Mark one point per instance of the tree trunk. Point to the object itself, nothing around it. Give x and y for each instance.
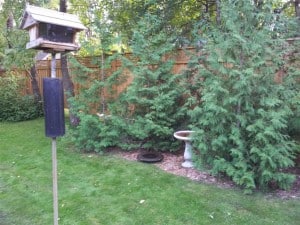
(68, 87)
(67, 81)
(63, 5)
(297, 8)
(34, 84)
(218, 6)
(9, 26)
(103, 102)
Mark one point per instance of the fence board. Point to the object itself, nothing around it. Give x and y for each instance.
(43, 69)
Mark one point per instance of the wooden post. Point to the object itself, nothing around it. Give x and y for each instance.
(54, 157)
(54, 176)
(53, 65)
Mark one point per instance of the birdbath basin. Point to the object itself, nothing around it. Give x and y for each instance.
(185, 135)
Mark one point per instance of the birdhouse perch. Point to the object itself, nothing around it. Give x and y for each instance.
(50, 30)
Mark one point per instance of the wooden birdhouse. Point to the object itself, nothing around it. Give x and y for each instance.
(50, 30)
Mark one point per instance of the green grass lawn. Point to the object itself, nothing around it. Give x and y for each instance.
(108, 190)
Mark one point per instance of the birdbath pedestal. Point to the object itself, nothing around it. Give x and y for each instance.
(185, 135)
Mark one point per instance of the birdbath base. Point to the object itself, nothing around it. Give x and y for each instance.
(187, 164)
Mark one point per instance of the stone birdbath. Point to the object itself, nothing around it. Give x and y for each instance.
(185, 135)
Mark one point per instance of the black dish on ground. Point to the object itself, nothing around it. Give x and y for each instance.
(150, 157)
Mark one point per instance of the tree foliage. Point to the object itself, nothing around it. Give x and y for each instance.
(147, 113)
(240, 90)
(122, 15)
(13, 105)
(242, 116)
(154, 94)
(13, 40)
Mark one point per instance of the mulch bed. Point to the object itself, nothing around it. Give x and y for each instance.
(171, 163)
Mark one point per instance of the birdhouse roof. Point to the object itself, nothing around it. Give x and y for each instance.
(34, 15)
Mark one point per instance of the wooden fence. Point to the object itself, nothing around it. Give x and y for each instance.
(43, 68)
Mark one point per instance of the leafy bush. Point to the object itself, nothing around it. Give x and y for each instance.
(241, 120)
(94, 134)
(14, 106)
(147, 113)
(154, 94)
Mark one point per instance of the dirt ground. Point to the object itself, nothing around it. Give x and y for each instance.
(171, 163)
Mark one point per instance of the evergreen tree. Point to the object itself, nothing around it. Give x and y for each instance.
(241, 112)
(154, 95)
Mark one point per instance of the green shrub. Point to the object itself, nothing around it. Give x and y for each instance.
(95, 134)
(241, 120)
(14, 106)
(154, 94)
(147, 113)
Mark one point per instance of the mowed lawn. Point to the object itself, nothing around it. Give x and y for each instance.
(95, 189)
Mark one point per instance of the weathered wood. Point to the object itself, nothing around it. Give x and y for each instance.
(43, 70)
(46, 45)
(34, 15)
(181, 59)
(50, 29)
(33, 33)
